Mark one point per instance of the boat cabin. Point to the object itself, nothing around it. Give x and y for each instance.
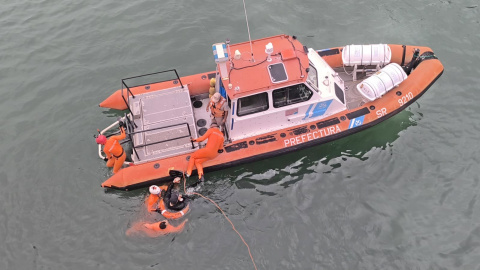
(280, 84)
(269, 84)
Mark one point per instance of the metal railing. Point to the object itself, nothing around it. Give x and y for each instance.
(129, 91)
(126, 99)
(153, 143)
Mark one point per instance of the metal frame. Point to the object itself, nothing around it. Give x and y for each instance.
(129, 92)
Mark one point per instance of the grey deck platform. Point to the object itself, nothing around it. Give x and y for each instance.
(165, 122)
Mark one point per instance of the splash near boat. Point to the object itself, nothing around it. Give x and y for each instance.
(280, 95)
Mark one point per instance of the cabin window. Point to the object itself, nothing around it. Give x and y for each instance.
(252, 104)
(291, 95)
(312, 75)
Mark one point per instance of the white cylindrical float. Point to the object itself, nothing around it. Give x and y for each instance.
(382, 81)
(373, 54)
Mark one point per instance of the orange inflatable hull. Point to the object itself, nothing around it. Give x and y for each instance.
(292, 138)
(197, 84)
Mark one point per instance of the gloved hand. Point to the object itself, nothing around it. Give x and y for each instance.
(121, 123)
(106, 159)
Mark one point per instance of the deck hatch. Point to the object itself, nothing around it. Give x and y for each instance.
(237, 146)
(327, 123)
(277, 73)
(328, 52)
(358, 113)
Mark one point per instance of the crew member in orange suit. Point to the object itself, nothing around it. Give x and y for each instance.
(210, 151)
(113, 150)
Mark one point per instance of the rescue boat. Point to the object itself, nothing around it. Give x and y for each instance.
(282, 97)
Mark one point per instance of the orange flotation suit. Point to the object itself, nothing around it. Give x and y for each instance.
(153, 229)
(114, 151)
(172, 215)
(152, 201)
(210, 151)
(216, 109)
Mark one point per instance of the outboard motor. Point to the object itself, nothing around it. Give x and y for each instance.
(408, 68)
(416, 60)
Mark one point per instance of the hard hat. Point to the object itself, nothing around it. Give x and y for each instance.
(155, 190)
(101, 139)
(216, 97)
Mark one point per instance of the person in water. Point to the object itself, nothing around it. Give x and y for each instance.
(210, 151)
(172, 198)
(155, 229)
(113, 150)
(219, 109)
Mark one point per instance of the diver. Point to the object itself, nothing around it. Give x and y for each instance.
(115, 155)
(210, 151)
(172, 198)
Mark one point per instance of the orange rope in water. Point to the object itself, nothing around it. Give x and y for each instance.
(233, 226)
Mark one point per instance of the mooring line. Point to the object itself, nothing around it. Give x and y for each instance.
(231, 223)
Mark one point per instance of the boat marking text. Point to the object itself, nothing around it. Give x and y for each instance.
(381, 112)
(312, 135)
(403, 100)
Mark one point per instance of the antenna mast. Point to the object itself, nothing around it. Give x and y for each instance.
(248, 28)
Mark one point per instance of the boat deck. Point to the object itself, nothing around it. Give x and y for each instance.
(164, 123)
(353, 98)
(165, 120)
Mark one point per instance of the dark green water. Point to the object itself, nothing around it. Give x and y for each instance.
(401, 195)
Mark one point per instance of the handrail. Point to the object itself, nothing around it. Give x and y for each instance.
(129, 92)
(175, 138)
(126, 99)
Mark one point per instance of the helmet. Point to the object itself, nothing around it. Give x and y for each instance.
(101, 139)
(155, 190)
(216, 97)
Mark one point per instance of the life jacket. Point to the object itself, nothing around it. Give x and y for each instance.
(172, 215)
(216, 109)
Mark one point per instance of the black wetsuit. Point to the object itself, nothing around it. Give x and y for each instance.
(166, 199)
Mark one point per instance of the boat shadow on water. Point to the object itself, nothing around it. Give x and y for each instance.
(289, 168)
